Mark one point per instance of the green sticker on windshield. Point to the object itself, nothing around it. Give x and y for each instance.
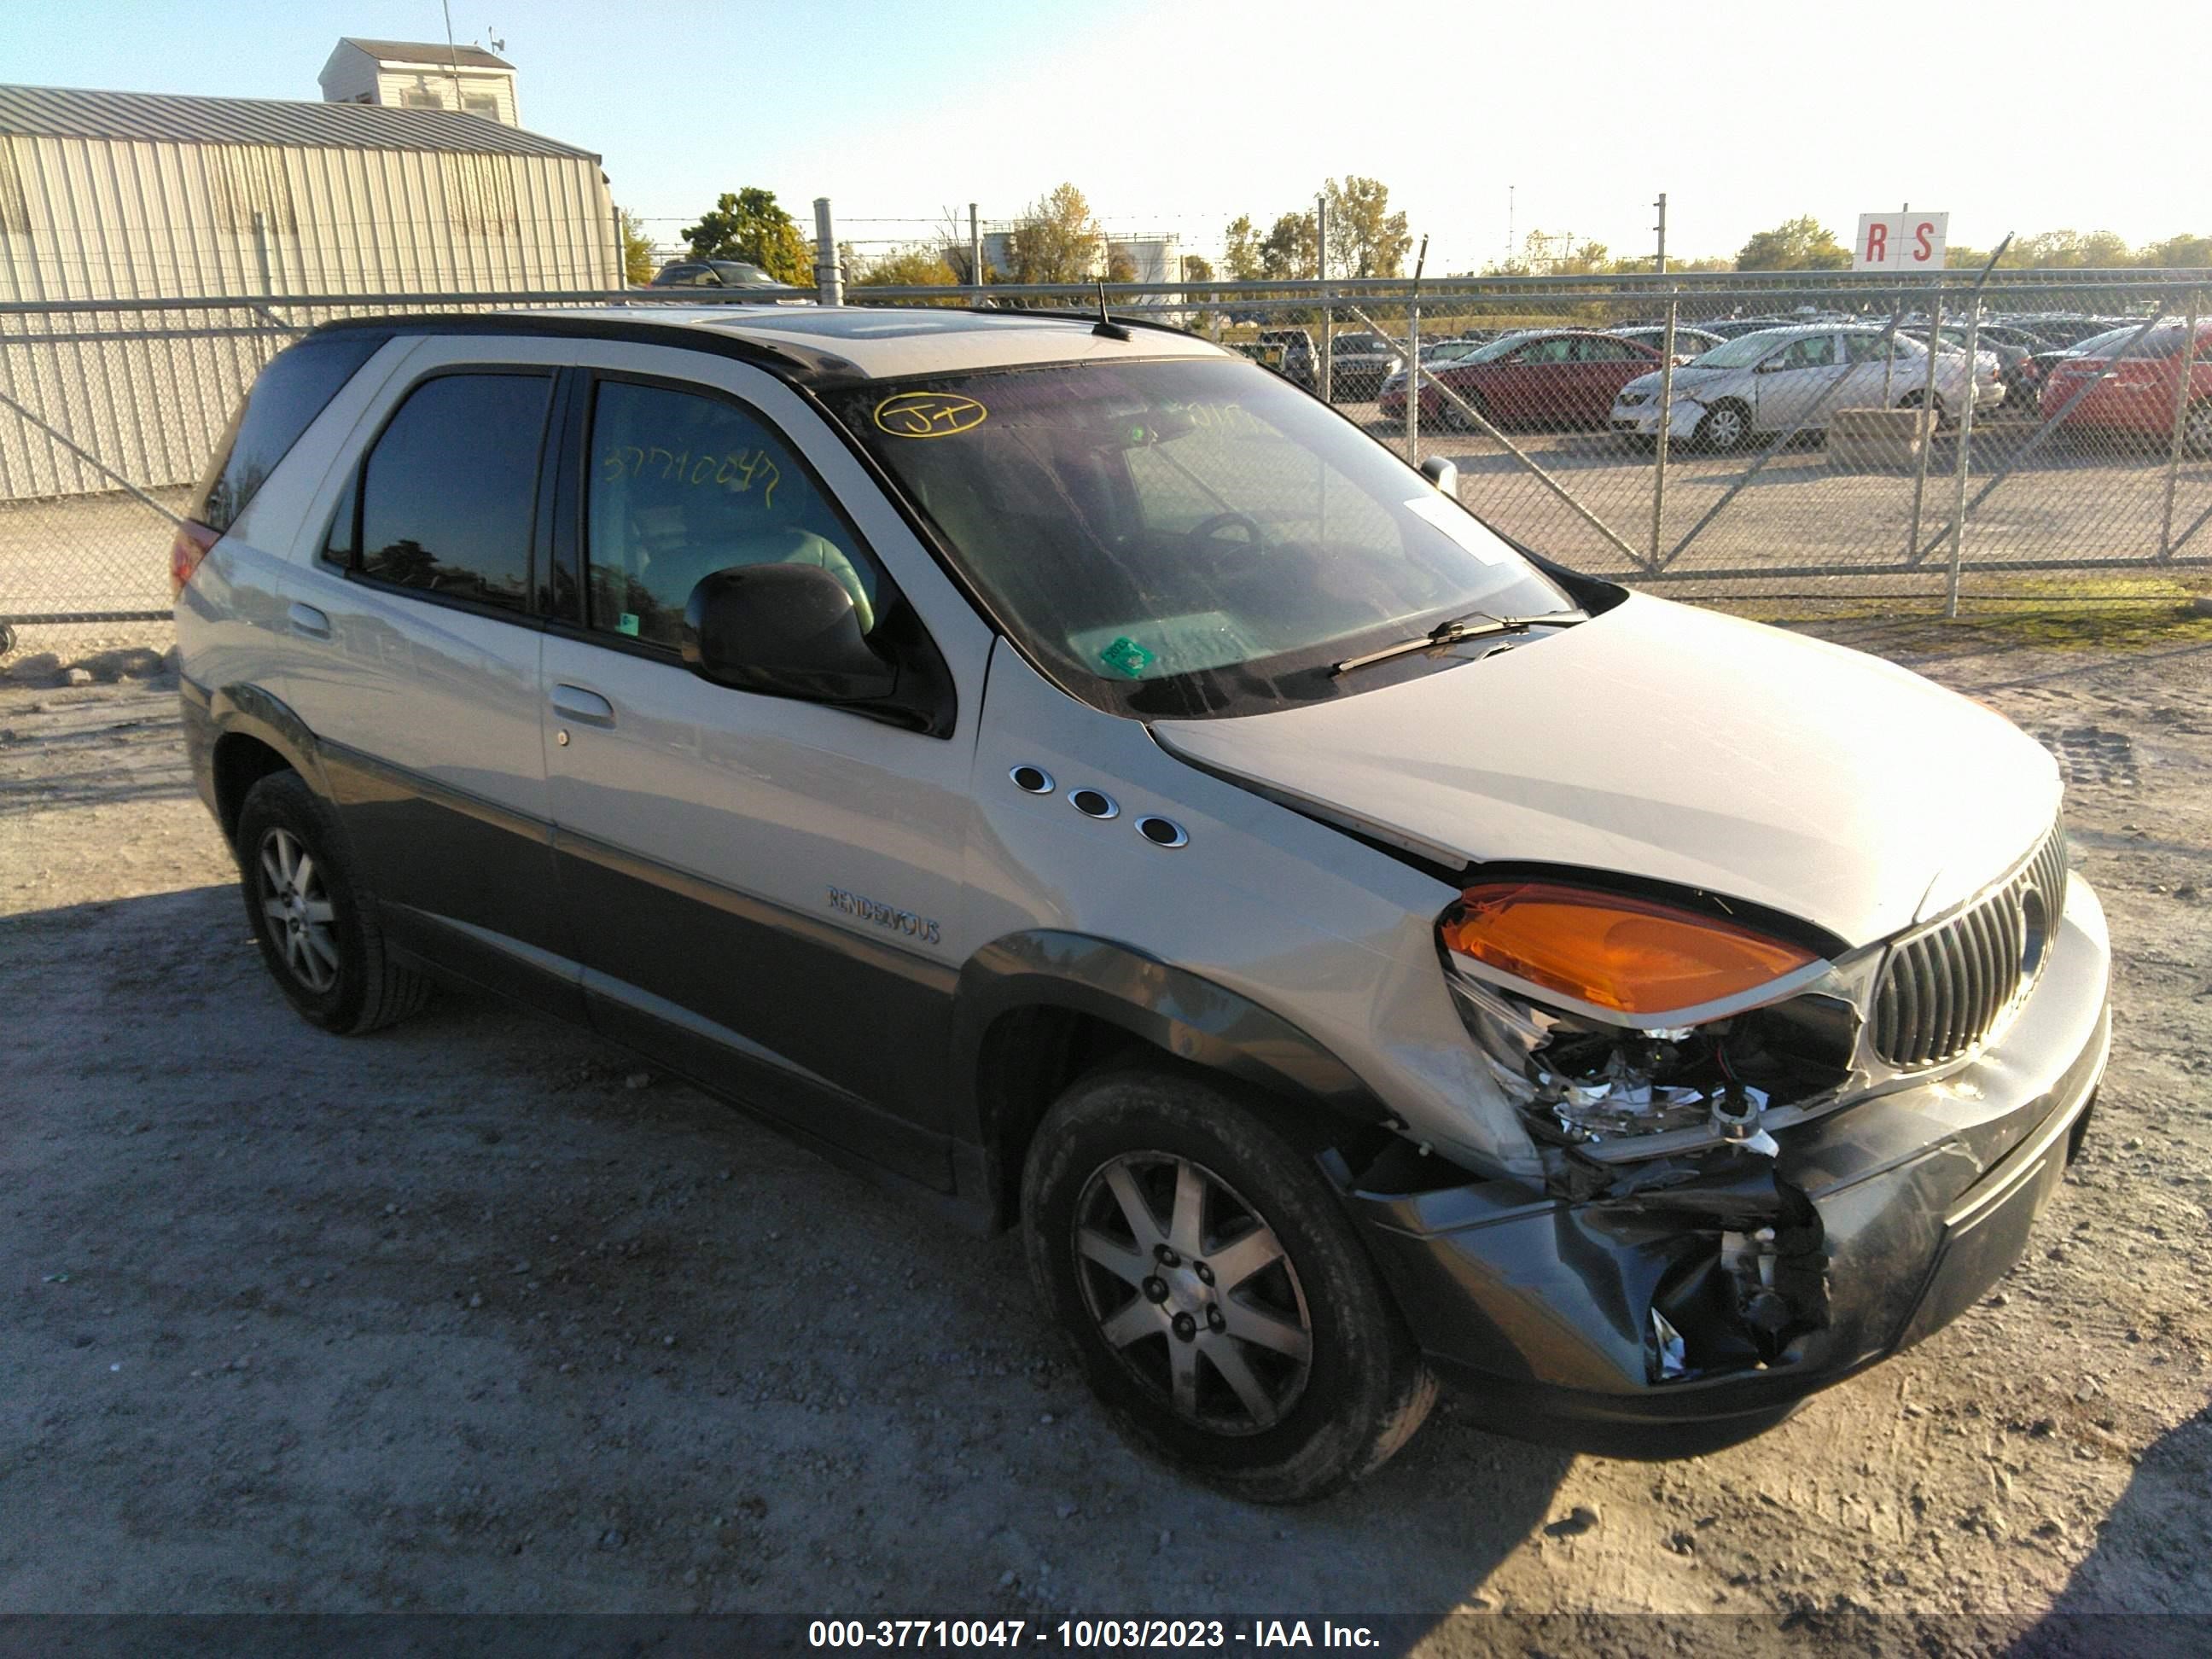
(1127, 658)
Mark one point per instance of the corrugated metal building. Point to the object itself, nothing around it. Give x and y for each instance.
(137, 195)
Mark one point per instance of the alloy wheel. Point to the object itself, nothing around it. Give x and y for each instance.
(1193, 1291)
(1724, 428)
(298, 910)
(2196, 429)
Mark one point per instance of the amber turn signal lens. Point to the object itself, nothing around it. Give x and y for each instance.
(1631, 955)
(186, 549)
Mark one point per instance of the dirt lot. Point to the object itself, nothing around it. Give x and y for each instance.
(474, 1316)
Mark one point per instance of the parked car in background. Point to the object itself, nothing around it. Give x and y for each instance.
(2063, 329)
(1690, 344)
(1560, 378)
(712, 273)
(1996, 351)
(1434, 355)
(1779, 377)
(1729, 327)
(2135, 391)
(1288, 351)
(1358, 364)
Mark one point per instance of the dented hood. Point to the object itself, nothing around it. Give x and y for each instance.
(1677, 745)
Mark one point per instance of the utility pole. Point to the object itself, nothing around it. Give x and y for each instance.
(1324, 377)
(974, 247)
(1661, 228)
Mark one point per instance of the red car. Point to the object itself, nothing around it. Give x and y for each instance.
(1559, 377)
(2135, 392)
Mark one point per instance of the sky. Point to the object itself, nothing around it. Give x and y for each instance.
(1177, 117)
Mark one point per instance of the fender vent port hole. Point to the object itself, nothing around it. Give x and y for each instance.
(1092, 803)
(1034, 779)
(1162, 832)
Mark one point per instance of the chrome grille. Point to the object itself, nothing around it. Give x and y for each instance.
(1944, 991)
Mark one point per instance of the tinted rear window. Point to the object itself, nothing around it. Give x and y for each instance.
(296, 386)
(446, 497)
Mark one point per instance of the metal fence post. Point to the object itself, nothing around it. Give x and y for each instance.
(1927, 428)
(829, 280)
(975, 248)
(1666, 420)
(1966, 449)
(1413, 382)
(2181, 389)
(1324, 375)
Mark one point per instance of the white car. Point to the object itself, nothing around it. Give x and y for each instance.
(1064, 767)
(1774, 380)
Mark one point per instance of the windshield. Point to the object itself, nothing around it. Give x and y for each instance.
(1741, 352)
(1187, 538)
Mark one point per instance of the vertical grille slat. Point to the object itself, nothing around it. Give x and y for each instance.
(1943, 992)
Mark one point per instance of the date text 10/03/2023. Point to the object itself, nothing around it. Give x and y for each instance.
(1078, 1635)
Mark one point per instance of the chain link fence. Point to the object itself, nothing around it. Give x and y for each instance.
(1785, 442)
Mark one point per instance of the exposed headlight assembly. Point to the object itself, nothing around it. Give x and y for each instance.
(1631, 1027)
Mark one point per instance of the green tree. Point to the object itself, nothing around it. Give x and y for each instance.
(1801, 244)
(1196, 268)
(1289, 254)
(1057, 241)
(2177, 253)
(1365, 239)
(1119, 267)
(1241, 250)
(750, 226)
(636, 248)
(917, 265)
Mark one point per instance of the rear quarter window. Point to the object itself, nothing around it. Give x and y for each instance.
(296, 386)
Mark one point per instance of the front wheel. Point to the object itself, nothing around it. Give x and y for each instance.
(1220, 1305)
(1725, 428)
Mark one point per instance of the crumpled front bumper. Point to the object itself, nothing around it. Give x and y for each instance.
(1643, 419)
(1540, 1307)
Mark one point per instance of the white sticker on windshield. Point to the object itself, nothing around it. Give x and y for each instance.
(1462, 528)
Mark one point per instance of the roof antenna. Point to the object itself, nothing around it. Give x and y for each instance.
(1107, 325)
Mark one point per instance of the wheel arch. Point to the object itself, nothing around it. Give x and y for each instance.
(252, 734)
(1036, 1009)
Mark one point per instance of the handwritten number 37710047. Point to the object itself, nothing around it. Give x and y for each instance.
(738, 470)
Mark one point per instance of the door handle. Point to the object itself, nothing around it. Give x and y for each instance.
(574, 702)
(306, 619)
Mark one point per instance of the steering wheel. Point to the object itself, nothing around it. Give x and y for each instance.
(1209, 529)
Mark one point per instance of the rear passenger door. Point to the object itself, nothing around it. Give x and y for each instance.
(417, 629)
(767, 891)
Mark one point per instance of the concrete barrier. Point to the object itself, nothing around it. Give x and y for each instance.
(1872, 439)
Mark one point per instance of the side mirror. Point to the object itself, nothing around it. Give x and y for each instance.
(1770, 365)
(788, 630)
(1443, 474)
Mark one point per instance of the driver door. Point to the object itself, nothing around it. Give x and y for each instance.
(765, 890)
(1794, 381)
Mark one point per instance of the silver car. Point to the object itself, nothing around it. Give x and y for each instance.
(1065, 768)
(1775, 380)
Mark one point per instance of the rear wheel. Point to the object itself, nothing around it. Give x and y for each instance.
(1217, 1298)
(1725, 428)
(1912, 400)
(315, 923)
(2196, 427)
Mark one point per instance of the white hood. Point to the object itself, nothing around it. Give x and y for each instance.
(1681, 745)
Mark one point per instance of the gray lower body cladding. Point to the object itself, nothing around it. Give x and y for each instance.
(1885, 1220)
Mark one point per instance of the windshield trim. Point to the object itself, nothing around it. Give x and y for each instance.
(1199, 694)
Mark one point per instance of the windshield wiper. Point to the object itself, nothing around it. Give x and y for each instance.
(1474, 625)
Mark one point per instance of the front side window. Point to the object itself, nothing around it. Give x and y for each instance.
(1559, 349)
(1183, 537)
(681, 486)
(447, 495)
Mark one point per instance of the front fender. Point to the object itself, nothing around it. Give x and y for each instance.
(1176, 1012)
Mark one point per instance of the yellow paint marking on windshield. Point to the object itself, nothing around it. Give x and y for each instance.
(928, 415)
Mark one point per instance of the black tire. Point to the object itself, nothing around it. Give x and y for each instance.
(2196, 427)
(1942, 422)
(1328, 1416)
(329, 930)
(1726, 435)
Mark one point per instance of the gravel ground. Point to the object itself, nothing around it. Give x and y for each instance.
(477, 1316)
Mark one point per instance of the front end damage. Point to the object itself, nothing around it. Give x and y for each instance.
(1736, 1209)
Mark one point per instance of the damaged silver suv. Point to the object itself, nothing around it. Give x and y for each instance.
(1068, 768)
